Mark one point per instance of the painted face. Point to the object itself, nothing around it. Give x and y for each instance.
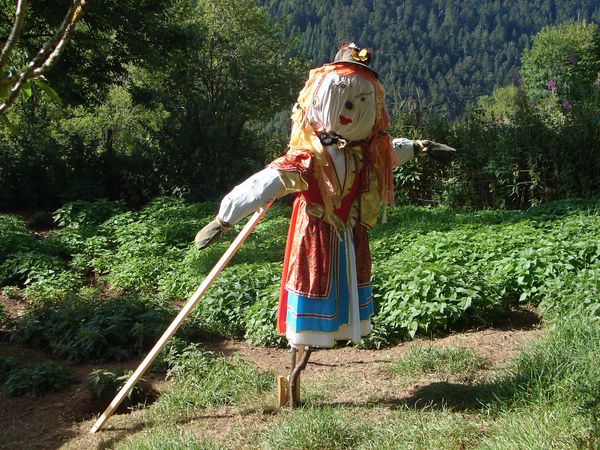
(343, 105)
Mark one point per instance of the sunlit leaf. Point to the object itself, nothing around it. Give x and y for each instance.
(26, 90)
(48, 90)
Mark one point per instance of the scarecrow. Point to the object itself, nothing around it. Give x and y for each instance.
(339, 166)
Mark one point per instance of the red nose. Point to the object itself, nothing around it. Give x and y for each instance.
(345, 120)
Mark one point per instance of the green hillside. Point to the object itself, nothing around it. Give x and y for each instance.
(448, 53)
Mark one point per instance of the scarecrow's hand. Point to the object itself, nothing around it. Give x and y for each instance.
(210, 233)
(437, 151)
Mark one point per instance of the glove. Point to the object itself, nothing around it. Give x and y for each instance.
(439, 152)
(210, 233)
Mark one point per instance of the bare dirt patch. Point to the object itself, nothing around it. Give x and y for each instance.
(340, 376)
(12, 307)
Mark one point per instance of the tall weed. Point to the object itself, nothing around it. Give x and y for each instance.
(203, 380)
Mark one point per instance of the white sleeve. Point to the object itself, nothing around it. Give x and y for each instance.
(404, 149)
(247, 197)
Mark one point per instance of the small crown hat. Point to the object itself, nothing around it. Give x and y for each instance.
(352, 53)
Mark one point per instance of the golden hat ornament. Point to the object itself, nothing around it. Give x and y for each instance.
(352, 53)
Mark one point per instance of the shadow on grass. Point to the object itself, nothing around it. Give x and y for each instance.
(438, 395)
(121, 434)
(453, 396)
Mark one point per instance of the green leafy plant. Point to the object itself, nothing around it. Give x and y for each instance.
(105, 384)
(94, 330)
(575, 295)
(6, 322)
(12, 292)
(7, 365)
(261, 318)
(226, 309)
(37, 380)
(80, 213)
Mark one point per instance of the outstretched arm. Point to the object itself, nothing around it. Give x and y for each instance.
(406, 149)
(261, 188)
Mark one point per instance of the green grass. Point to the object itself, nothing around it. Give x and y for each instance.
(541, 425)
(443, 361)
(203, 380)
(342, 428)
(548, 397)
(168, 438)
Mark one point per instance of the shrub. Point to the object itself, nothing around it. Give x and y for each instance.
(5, 320)
(53, 288)
(24, 268)
(261, 319)
(575, 295)
(105, 384)
(37, 380)
(225, 309)
(94, 330)
(79, 213)
(14, 236)
(431, 281)
(7, 365)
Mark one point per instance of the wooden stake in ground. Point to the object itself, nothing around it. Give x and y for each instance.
(189, 306)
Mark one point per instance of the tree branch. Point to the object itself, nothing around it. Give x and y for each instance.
(14, 33)
(75, 13)
(48, 54)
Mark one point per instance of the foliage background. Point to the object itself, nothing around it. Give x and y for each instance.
(197, 96)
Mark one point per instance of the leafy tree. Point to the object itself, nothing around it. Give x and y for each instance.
(561, 71)
(477, 43)
(231, 67)
(502, 106)
(177, 105)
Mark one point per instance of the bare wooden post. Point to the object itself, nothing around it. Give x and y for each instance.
(282, 390)
(185, 311)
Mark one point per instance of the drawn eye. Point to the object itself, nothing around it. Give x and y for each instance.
(363, 99)
(342, 85)
(349, 105)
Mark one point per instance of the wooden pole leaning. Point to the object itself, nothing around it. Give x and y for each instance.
(185, 311)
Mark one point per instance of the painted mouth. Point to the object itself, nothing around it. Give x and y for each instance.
(345, 120)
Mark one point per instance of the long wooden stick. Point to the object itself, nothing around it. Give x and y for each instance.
(189, 306)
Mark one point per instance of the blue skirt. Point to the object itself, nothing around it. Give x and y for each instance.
(336, 314)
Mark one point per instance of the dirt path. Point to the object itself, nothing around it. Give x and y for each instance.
(62, 420)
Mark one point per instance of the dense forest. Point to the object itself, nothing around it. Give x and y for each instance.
(447, 53)
(187, 98)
